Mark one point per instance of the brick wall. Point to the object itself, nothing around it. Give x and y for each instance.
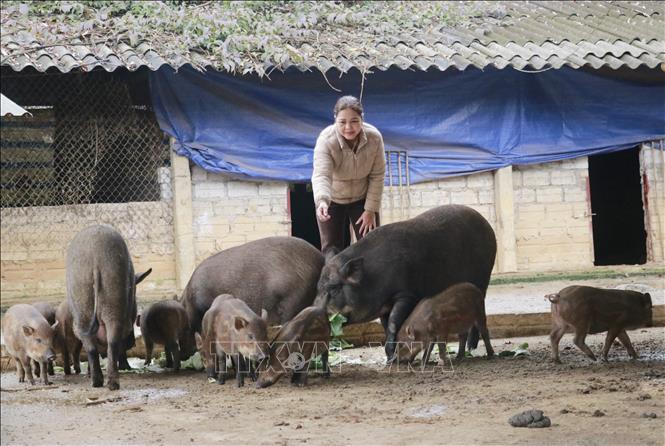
(229, 212)
(35, 240)
(552, 216)
(552, 222)
(476, 191)
(652, 161)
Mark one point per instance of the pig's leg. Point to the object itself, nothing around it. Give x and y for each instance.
(213, 366)
(462, 345)
(252, 370)
(580, 335)
(625, 340)
(148, 351)
(175, 352)
(44, 366)
(20, 371)
(326, 366)
(384, 321)
(555, 337)
(115, 345)
(220, 368)
(51, 371)
(442, 351)
(65, 358)
(123, 363)
(484, 333)
(398, 314)
(25, 362)
(77, 358)
(240, 369)
(300, 377)
(612, 333)
(91, 366)
(426, 354)
(169, 356)
(36, 368)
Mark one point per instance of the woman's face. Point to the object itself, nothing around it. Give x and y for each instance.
(349, 123)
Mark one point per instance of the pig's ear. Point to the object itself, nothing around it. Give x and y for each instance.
(28, 330)
(329, 253)
(55, 325)
(240, 323)
(409, 331)
(199, 341)
(352, 271)
(139, 277)
(647, 300)
(264, 314)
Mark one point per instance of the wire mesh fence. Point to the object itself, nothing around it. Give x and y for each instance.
(91, 146)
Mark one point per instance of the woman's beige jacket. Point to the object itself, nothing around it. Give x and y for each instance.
(342, 176)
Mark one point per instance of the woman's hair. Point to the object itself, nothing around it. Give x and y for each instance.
(348, 102)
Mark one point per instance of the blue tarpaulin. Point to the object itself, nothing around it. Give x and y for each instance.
(450, 123)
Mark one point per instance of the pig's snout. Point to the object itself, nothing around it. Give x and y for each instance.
(263, 383)
(50, 355)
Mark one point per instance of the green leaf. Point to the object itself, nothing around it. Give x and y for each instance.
(336, 322)
(520, 350)
(195, 362)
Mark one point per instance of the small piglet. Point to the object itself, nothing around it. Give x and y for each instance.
(28, 336)
(48, 311)
(66, 341)
(230, 327)
(453, 311)
(303, 337)
(585, 309)
(166, 323)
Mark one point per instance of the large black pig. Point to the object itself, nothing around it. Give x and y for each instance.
(277, 274)
(388, 271)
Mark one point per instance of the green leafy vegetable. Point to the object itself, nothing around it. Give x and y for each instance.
(337, 343)
(520, 350)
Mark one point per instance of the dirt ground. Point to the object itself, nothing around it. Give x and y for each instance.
(365, 403)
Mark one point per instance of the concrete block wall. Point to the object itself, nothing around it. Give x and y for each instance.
(229, 212)
(552, 216)
(552, 222)
(35, 239)
(652, 162)
(476, 191)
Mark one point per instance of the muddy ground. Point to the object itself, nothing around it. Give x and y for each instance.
(364, 403)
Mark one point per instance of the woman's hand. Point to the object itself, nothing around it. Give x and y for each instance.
(367, 222)
(322, 212)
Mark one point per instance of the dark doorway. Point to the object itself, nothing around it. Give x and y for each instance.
(616, 203)
(303, 215)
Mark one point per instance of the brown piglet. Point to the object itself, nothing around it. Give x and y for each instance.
(28, 336)
(66, 341)
(588, 310)
(166, 323)
(453, 311)
(297, 342)
(231, 328)
(48, 311)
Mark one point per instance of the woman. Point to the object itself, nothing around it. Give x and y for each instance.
(349, 171)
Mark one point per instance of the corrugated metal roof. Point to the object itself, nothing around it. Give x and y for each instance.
(529, 35)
